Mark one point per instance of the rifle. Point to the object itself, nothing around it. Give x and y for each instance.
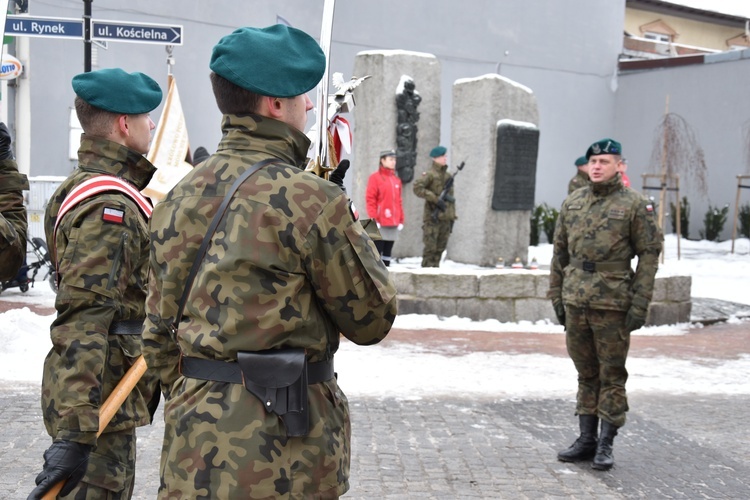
(446, 190)
(108, 409)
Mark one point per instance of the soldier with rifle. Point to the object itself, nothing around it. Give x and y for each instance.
(436, 187)
(97, 232)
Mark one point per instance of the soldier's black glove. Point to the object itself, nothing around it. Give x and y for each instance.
(559, 312)
(635, 318)
(63, 461)
(449, 198)
(5, 152)
(337, 176)
(440, 205)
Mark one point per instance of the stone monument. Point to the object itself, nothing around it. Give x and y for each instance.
(416, 77)
(494, 128)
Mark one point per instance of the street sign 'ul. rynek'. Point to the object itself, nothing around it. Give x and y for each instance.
(115, 31)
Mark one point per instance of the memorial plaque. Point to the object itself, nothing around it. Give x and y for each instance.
(515, 168)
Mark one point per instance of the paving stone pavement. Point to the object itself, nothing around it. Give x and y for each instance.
(444, 448)
(672, 447)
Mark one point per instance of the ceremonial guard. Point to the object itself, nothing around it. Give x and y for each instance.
(258, 267)
(97, 232)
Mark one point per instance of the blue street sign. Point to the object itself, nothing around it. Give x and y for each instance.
(45, 27)
(118, 31)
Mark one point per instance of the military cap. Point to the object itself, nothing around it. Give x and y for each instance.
(581, 160)
(387, 152)
(604, 147)
(116, 91)
(438, 151)
(277, 61)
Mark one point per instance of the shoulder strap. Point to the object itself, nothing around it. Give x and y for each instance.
(209, 234)
(92, 187)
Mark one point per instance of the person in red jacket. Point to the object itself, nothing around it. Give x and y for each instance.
(384, 203)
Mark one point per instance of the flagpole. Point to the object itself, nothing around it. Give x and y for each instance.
(320, 151)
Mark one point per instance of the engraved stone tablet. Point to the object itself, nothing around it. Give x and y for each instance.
(515, 167)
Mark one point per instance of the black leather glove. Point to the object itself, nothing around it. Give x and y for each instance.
(63, 461)
(635, 318)
(440, 205)
(337, 176)
(5, 152)
(559, 312)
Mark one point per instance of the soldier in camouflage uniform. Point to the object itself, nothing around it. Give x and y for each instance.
(581, 178)
(435, 233)
(598, 297)
(288, 268)
(100, 247)
(13, 222)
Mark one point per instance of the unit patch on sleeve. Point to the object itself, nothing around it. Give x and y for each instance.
(114, 215)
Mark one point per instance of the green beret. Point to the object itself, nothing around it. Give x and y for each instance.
(438, 151)
(604, 147)
(114, 90)
(277, 61)
(582, 160)
(387, 152)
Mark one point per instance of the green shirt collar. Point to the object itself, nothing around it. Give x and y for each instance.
(266, 135)
(97, 154)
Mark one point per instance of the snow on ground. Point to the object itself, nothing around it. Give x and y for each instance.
(408, 371)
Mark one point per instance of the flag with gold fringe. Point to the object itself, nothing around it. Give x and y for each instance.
(169, 148)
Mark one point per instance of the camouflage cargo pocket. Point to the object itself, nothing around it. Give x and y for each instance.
(8, 233)
(108, 473)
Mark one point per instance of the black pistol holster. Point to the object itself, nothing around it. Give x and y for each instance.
(278, 378)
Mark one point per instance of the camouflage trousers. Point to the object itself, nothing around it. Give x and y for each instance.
(435, 239)
(598, 344)
(111, 471)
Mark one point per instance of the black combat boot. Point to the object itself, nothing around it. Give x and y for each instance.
(585, 446)
(604, 460)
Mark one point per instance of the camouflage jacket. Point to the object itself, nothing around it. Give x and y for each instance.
(103, 270)
(579, 180)
(13, 221)
(288, 267)
(429, 187)
(605, 222)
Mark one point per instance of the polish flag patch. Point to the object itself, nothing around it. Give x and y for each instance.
(649, 208)
(114, 215)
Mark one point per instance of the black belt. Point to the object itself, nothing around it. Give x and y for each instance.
(591, 267)
(126, 327)
(223, 371)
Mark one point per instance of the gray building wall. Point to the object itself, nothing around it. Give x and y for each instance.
(713, 99)
(552, 47)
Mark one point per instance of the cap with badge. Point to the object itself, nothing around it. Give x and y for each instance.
(581, 161)
(276, 61)
(438, 151)
(117, 91)
(387, 152)
(604, 147)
